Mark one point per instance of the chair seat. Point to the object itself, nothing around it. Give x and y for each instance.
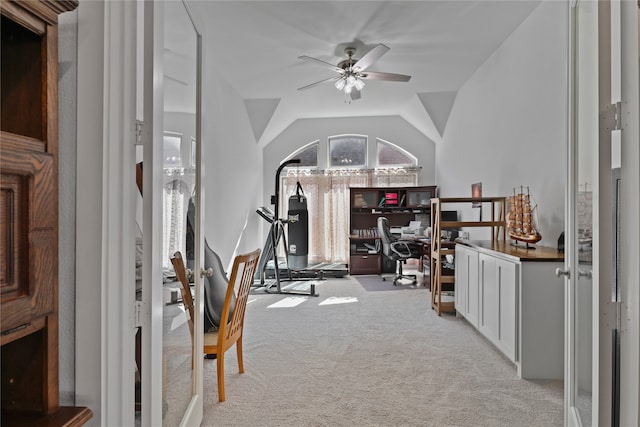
(211, 342)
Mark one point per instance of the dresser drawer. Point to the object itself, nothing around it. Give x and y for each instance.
(364, 264)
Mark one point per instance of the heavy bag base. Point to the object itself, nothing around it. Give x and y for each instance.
(298, 262)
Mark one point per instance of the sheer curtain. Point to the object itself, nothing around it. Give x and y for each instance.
(178, 187)
(327, 195)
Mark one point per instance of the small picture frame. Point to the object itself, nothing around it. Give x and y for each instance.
(476, 193)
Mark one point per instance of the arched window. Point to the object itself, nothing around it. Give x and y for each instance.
(347, 151)
(326, 186)
(390, 154)
(308, 155)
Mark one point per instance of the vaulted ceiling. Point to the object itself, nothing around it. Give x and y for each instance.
(255, 45)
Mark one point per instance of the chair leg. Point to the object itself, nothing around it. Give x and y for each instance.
(239, 351)
(220, 366)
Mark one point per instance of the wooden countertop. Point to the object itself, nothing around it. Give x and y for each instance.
(540, 253)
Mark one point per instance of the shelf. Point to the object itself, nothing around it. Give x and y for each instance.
(14, 141)
(496, 222)
(29, 155)
(66, 416)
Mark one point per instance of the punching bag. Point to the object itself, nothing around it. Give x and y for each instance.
(298, 227)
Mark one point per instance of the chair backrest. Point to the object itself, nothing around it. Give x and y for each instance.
(185, 289)
(385, 236)
(240, 281)
(235, 303)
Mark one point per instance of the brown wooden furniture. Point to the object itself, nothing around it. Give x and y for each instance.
(399, 205)
(440, 248)
(29, 215)
(230, 333)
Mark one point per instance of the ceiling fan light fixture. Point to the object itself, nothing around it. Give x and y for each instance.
(352, 72)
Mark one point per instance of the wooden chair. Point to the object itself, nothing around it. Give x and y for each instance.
(229, 333)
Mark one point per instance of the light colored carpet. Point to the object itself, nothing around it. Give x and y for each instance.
(352, 357)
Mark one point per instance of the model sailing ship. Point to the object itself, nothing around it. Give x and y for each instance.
(522, 221)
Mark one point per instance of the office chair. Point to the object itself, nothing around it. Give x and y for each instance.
(397, 250)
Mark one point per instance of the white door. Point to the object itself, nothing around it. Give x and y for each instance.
(601, 265)
(582, 240)
(625, 88)
(171, 365)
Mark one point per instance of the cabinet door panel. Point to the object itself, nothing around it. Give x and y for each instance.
(29, 246)
(473, 289)
(488, 322)
(508, 296)
(462, 279)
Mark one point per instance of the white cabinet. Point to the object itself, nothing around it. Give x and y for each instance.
(517, 303)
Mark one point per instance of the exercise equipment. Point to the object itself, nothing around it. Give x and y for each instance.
(298, 229)
(277, 236)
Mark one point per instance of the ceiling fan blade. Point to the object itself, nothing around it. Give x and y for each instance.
(374, 75)
(324, 64)
(330, 79)
(370, 57)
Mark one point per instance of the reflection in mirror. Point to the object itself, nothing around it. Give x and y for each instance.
(583, 192)
(180, 62)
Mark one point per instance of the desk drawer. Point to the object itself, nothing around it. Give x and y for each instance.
(364, 264)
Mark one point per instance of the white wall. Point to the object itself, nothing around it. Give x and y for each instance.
(393, 129)
(233, 167)
(508, 125)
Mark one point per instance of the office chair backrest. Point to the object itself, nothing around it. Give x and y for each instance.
(385, 236)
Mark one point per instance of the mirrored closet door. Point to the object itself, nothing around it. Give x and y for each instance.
(171, 213)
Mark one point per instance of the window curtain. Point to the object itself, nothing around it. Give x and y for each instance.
(327, 195)
(178, 184)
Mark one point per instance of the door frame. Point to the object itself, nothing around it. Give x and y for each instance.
(630, 206)
(105, 212)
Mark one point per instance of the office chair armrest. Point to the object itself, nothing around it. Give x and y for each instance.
(402, 248)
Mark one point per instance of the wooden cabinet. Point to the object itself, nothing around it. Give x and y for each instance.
(399, 205)
(29, 215)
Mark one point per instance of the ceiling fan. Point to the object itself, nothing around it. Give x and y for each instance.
(352, 72)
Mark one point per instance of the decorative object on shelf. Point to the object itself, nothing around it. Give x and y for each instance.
(476, 193)
(522, 221)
